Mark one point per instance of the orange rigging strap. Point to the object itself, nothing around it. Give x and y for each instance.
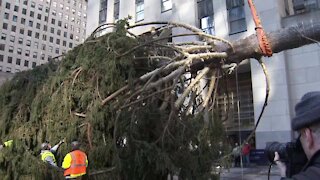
(263, 41)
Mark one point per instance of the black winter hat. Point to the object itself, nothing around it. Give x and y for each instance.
(307, 111)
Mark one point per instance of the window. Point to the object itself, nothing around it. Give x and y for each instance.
(18, 61)
(58, 41)
(60, 15)
(5, 26)
(28, 43)
(39, 16)
(1, 58)
(2, 47)
(9, 60)
(14, 18)
(38, 25)
(40, 7)
(58, 32)
(30, 23)
(36, 45)
(51, 39)
(8, 69)
(35, 55)
(205, 15)
(52, 30)
(116, 9)
(23, 21)
(11, 48)
(64, 43)
(166, 5)
(42, 56)
(26, 63)
(19, 51)
(57, 50)
(65, 34)
(3, 36)
(31, 14)
(70, 45)
(45, 28)
(44, 37)
(6, 15)
(20, 40)
(8, 5)
(13, 28)
(53, 21)
(33, 4)
(236, 16)
(25, 2)
(29, 33)
(50, 48)
(12, 38)
(24, 11)
(37, 35)
(139, 10)
(301, 6)
(43, 47)
(34, 64)
(103, 11)
(16, 8)
(27, 53)
(21, 31)
(59, 23)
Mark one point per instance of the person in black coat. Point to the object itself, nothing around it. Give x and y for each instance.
(307, 124)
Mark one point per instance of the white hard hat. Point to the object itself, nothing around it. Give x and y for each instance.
(45, 145)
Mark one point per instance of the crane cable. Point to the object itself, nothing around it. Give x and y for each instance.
(262, 38)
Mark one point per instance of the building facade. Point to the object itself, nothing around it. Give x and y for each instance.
(35, 31)
(292, 72)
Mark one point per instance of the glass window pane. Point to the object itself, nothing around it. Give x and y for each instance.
(236, 13)
(238, 26)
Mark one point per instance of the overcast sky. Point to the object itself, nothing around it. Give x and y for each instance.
(93, 15)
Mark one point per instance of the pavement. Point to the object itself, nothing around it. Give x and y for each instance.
(250, 173)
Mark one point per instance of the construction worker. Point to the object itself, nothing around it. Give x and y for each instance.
(47, 153)
(6, 144)
(75, 163)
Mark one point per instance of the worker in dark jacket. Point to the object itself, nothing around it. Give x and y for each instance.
(307, 123)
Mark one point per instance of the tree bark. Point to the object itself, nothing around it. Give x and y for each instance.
(280, 40)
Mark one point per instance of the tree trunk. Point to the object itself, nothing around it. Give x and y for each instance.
(280, 40)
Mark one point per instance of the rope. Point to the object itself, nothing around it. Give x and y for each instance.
(263, 40)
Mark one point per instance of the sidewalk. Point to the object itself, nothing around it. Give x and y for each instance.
(250, 173)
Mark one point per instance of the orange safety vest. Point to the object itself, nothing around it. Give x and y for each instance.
(78, 163)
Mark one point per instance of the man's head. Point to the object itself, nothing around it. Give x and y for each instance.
(45, 146)
(75, 145)
(307, 122)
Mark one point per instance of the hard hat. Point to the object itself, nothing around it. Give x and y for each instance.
(75, 144)
(44, 145)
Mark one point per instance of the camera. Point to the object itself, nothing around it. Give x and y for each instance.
(291, 153)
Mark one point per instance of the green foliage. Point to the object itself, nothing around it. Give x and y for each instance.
(141, 142)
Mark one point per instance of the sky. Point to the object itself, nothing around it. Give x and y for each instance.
(93, 15)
